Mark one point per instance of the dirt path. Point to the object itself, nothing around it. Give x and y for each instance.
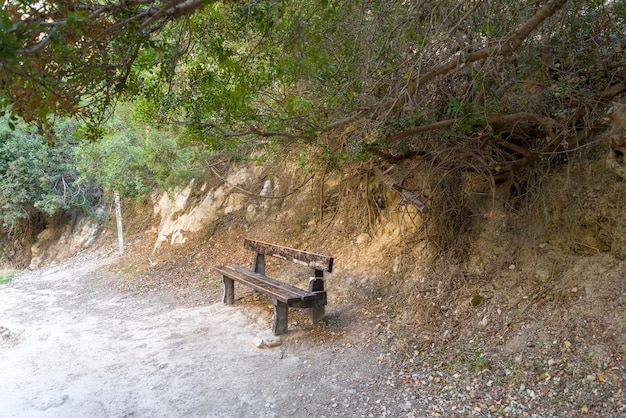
(71, 345)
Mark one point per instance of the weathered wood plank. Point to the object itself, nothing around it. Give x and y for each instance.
(229, 290)
(305, 258)
(275, 289)
(281, 322)
(316, 284)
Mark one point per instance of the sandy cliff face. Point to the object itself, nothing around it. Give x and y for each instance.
(58, 242)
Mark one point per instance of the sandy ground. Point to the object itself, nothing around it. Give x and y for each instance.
(71, 345)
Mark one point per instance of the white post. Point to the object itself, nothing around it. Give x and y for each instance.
(118, 218)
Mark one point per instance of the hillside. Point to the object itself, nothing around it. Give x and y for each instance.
(525, 317)
(522, 314)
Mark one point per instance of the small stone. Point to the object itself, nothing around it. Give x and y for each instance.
(512, 267)
(542, 274)
(591, 377)
(551, 362)
(363, 238)
(567, 346)
(56, 402)
(267, 342)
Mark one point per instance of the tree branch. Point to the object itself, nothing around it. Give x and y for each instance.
(251, 131)
(176, 9)
(500, 120)
(503, 48)
(614, 90)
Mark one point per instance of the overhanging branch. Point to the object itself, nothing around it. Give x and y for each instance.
(252, 131)
(503, 48)
(500, 120)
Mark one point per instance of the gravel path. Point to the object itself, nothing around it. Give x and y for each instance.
(73, 346)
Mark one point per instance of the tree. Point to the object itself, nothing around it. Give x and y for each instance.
(504, 83)
(75, 57)
(490, 87)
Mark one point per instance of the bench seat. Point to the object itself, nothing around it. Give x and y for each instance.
(280, 291)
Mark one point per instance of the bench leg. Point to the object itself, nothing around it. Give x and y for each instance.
(280, 317)
(229, 291)
(316, 284)
(317, 313)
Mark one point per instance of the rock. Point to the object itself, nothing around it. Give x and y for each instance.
(363, 238)
(241, 176)
(250, 212)
(56, 402)
(57, 244)
(566, 347)
(267, 188)
(178, 238)
(267, 342)
(484, 322)
(234, 203)
(266, 191)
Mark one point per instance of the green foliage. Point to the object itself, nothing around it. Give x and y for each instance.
(134, 159)
(476, 300)
(62, 173)
(6, 278)
(331, 80)
(35, 176)
(76, 58)
(468, 115)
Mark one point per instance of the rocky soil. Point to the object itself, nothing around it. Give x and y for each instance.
(530, 322)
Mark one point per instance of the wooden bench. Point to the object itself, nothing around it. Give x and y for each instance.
(283, 295)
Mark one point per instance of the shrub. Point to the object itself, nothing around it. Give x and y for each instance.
(36, 176)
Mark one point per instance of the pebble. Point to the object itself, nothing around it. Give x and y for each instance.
(267, 342)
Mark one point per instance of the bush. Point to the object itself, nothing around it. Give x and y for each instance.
(134, 159)
(36, 176)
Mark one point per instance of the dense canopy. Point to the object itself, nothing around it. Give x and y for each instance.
(484, 86)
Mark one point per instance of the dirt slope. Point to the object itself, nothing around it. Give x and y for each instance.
(530, 321)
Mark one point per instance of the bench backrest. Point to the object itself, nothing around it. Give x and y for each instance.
(317, 261)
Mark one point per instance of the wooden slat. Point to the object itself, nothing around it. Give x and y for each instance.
(273, 288)
(305, 258)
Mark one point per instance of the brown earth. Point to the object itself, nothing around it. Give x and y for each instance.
(530, 321)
